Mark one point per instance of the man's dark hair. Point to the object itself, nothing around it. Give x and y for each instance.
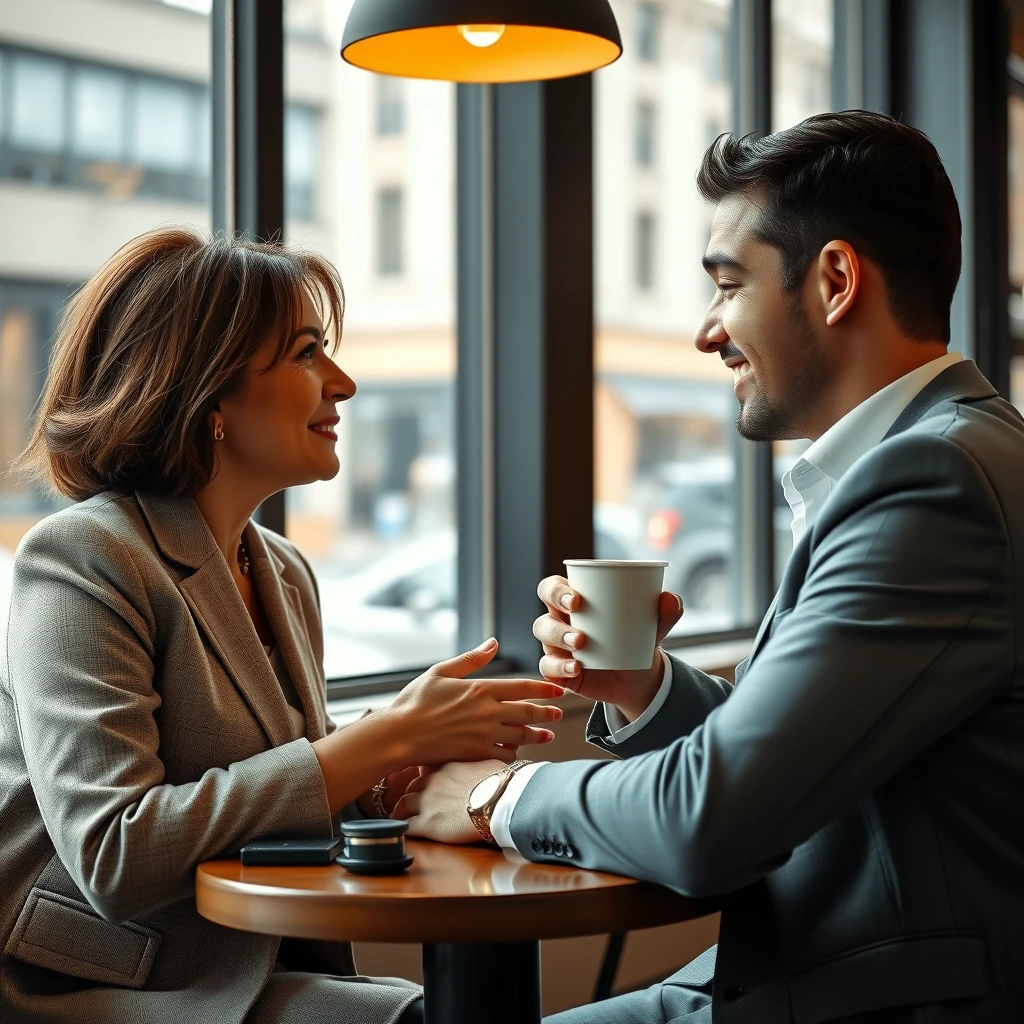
(857, 176)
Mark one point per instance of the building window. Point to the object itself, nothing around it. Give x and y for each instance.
(389, 232)
(164, 123)
(646, 122)
(38, 103)
(644, 267)
(716, 54)
(648, 19)
(301, 159)
(390, 106)
(98, 114)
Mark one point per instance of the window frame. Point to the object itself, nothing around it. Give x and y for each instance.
(524, 159)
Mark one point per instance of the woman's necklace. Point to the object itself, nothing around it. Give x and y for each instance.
(243, 559)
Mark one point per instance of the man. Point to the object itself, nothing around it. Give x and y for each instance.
(856, 802)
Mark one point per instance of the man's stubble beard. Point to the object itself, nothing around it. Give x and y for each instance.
(760, 418)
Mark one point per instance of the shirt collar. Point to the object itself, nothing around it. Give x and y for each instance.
(864, 426)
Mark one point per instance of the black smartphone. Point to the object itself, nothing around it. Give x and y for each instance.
(292, 851)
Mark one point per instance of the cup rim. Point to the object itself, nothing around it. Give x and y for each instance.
(616, 563)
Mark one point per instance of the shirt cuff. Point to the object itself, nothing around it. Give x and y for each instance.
(619, 729)
(501, 816)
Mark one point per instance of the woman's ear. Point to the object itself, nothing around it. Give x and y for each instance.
(838, 279)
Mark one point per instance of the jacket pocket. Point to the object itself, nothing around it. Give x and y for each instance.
(66, 935)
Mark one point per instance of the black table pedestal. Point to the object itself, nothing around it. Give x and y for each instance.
(474, 982)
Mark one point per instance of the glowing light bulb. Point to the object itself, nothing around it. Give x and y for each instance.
(482, 35)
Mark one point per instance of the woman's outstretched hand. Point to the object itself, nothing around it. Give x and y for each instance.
(442, 716)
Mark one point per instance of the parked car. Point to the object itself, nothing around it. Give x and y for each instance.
(403, 606)
(692, 524)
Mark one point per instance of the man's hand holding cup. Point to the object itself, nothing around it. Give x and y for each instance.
(626, 617)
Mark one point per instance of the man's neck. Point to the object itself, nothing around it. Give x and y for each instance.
(859, 382)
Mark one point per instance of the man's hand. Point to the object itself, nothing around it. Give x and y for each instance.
(631, 692)
(435, 803)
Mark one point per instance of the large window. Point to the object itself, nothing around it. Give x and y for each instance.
(381, 535)
(664, 436)
(102, 136)
(802, 33)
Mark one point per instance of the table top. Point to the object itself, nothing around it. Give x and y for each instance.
(450, 894)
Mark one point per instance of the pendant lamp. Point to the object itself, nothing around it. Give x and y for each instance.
(481, 40)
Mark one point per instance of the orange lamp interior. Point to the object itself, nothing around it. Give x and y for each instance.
(523, 53)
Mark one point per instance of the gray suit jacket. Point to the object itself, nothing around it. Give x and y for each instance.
(855, 804)
(142, 730)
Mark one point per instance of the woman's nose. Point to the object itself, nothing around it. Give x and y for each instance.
(339, 386)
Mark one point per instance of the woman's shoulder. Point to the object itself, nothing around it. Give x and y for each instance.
(109, 521)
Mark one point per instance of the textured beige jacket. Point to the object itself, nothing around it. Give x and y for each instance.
(142, 730)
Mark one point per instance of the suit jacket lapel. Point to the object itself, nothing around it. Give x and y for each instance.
(209, 591)
(283, 608)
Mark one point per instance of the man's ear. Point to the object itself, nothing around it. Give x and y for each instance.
(838, 279)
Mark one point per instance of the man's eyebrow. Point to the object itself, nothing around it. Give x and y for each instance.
(720, 261)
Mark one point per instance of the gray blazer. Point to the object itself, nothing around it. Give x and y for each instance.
(855, 804)
(142, 730)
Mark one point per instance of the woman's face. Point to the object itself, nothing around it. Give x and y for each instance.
(279, 425)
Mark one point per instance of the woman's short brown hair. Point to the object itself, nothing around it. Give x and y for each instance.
(149, 345)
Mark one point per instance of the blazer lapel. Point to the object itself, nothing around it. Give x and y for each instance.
(209, 591)
(283, 608)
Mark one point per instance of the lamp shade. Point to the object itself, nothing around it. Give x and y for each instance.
(481, 40)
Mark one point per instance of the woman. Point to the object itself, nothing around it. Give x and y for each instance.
(162, 696)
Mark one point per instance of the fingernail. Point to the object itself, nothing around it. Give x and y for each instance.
(571, 639)
(567, 601)
(487, 644)
(572, 667)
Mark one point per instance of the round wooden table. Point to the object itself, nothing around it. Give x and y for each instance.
(479, 913)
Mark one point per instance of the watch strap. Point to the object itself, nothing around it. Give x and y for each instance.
(481, 816)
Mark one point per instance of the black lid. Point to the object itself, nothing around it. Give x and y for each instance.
(374, 828)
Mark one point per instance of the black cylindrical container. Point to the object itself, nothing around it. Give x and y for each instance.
(375, 846)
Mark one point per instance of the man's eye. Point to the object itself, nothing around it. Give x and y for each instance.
(727, 286)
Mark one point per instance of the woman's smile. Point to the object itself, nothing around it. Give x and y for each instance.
(325, 428)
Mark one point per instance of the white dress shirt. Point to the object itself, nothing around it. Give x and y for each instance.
(807, 486)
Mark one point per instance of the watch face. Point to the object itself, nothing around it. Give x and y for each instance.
(484, 790)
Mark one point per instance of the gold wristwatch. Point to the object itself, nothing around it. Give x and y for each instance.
(484, 797)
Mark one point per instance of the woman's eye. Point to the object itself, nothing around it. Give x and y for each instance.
(309, 351)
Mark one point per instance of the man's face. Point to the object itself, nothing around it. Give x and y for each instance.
(761, 331)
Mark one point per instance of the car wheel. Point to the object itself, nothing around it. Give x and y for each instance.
(708, 588)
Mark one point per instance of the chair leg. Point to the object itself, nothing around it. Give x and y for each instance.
(609, 966)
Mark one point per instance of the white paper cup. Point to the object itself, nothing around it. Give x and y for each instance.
(618, 611)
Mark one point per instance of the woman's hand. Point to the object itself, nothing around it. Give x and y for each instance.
(397, 785)
(631, 692)
(441, 716)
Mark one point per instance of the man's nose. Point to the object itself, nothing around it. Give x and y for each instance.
(711, 335)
